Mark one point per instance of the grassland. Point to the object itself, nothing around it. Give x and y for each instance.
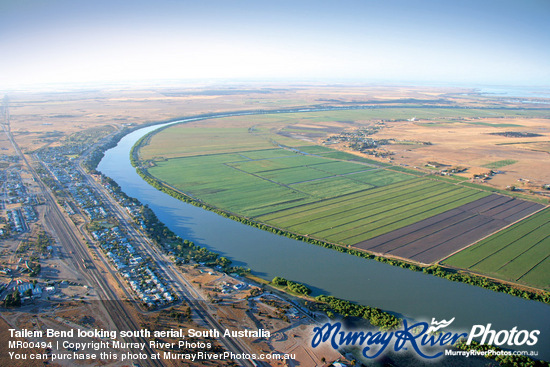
(520, 253)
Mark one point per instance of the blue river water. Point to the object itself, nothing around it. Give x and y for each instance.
(404, 292)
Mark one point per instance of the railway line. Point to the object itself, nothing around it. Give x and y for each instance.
(69, 241)
(68, 237)
(184, 289)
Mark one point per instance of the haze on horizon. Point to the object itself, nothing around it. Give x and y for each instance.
(467, 42)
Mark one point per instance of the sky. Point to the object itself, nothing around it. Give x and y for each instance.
(502, 42)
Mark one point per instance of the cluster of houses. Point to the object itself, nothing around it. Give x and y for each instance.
(228, 287)
(29, 213)
(15, 192)
(133, 207)
(486, 176)
(451, 171)
(16, 220)
(149, 287)
(117, 247)
(28, 289)
(65, 172)
(358, 139)
(88, 201)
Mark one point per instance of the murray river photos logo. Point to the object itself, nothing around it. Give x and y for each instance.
(418, 337)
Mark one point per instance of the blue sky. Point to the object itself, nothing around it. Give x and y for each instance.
(433, 41)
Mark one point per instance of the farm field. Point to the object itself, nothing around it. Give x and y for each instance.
(270, 168)
(347, 202)
(432, 239)
(520, 253)
(260, 182)
(480, 145)
(499, 164)
(354, 218)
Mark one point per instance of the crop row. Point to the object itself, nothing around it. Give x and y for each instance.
(331, 187)
(340, 168)
(294, 175)
(380, 177)
(408, 220)
(495, 244)
(322, 208)
(519, 253)
(263, 165)
(370, 208)
(358, 231)
(247, 193)
(266, 153)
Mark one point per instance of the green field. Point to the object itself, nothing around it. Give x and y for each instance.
(254, 187)
(520, 253)
(499, 164)
(339, 201)
(492, 124)
(349, 219)
(240, 165)
(243, 166)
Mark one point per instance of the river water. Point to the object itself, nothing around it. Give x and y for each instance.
(404, 292)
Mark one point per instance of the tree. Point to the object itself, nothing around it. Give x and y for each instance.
(13, 299)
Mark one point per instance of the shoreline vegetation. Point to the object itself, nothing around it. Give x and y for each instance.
(437, 270)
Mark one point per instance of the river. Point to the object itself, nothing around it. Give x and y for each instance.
(404, 292)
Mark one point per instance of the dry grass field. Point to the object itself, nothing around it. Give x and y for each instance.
(39, 118)
(5, 359)
(470, 144)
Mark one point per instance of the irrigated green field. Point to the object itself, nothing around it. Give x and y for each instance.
(500, 164)
(245, 166)
(259, 182)
(520, 253)
(349, 219)
(304, 190)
